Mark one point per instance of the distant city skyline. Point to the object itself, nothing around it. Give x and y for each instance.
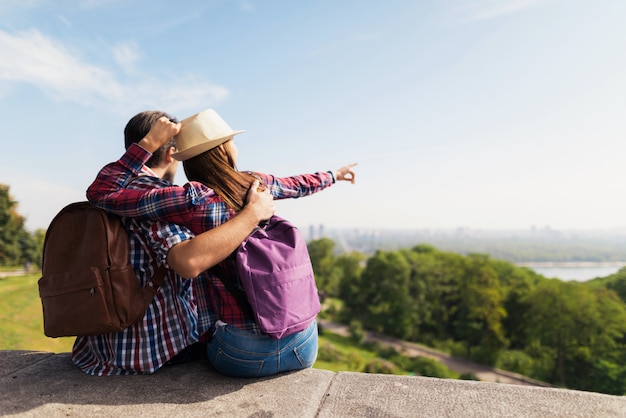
(473, 114)
(566, 255)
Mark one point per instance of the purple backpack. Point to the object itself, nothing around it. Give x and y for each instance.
(275, 270)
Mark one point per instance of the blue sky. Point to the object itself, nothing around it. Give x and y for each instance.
(461, 113)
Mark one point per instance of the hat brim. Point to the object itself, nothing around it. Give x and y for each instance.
(203, 147)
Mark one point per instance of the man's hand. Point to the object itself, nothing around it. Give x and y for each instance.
(160, 132)
(345, 173)
(260, 202)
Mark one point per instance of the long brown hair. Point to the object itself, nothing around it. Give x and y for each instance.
(216, 169)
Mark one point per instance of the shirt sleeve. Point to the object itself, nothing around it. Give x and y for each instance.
(164, 236)
(159, 237)
(170, 203)
(297, 186)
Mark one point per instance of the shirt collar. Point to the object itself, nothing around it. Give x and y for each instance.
(147, 171)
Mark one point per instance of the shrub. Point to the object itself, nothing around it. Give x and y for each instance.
(354, 361)
(425, 366)
(379, 365)
(453, 348)
(516, 361)
(373, 346)
(403, 362)
(328, 352)
(388, 352)
(484, 355)
(357, 334)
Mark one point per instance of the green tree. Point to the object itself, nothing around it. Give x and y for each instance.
(433, 290)
(350, 268)
(617, 283)
(551, 321)
(479, 314)
(581, 325)
(39, 237)
(15, 242)
(327, 275)
(516, 283)
(386, 303)
(608, 377)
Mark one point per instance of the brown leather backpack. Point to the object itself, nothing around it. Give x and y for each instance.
(88, 286)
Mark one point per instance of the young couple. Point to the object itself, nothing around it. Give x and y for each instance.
(190, 229)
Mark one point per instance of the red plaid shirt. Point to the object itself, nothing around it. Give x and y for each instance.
(171, 321)
(198, 208)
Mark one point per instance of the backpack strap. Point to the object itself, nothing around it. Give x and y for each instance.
(158, 277)
(148, 292)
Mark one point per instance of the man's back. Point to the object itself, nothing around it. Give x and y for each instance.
(171, 321)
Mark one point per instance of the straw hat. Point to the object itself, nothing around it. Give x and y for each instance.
(201, 132)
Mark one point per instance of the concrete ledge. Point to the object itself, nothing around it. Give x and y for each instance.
(39, 384)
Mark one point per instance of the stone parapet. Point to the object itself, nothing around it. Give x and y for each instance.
(40, 384)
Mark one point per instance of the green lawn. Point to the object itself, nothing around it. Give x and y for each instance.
(339, 354)
(21, 328)
(21, 322)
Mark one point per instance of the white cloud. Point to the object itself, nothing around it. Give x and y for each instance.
(126, 55)
(30, 57)
(246, 6)
(64, 20)
(7, 5)
(180, 95)
(490, 9)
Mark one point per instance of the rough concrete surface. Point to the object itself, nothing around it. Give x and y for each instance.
(38, 384)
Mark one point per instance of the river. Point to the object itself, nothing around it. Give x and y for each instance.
(580, 272)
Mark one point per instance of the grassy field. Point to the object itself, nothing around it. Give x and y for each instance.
(21, 322)
(21, 328)
(11, 268)
(339, 354)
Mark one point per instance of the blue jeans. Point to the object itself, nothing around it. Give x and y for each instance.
(237, 353)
